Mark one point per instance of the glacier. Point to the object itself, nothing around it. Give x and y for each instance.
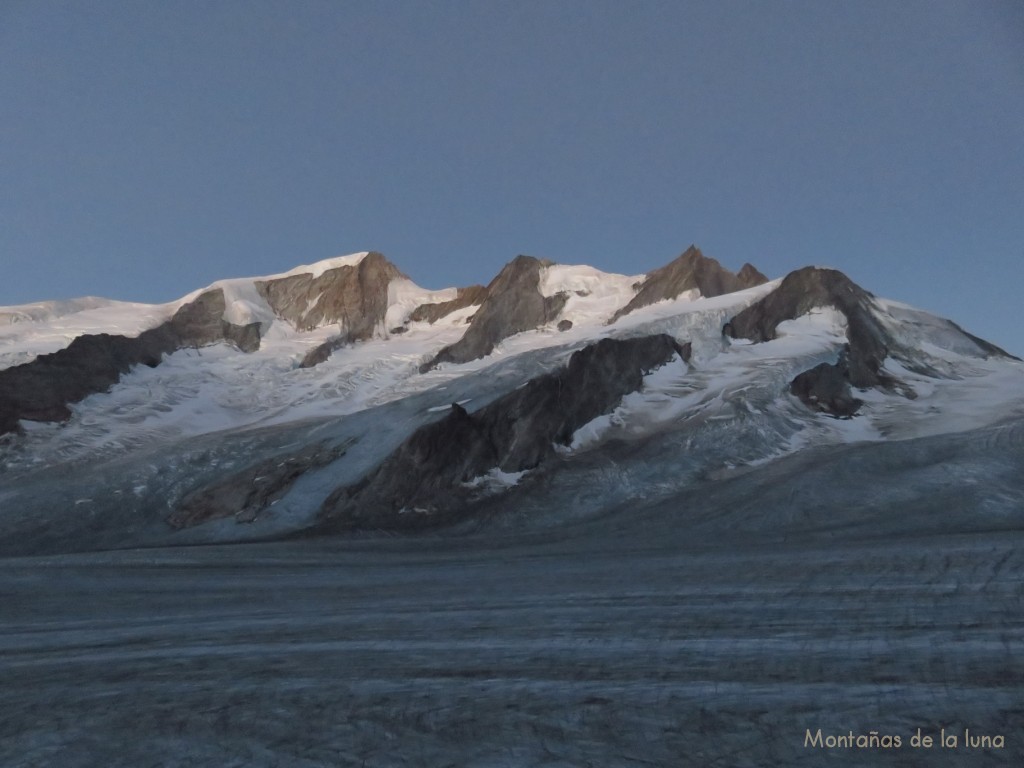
(701, 574)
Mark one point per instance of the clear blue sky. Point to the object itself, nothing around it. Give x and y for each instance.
(149, 148)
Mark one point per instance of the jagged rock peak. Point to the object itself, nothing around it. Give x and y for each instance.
(860, 364)
(513, 304)
(750, 276)
(691, 270)
(827, 386)
(421, 483)
(798, 293)
(353, 295)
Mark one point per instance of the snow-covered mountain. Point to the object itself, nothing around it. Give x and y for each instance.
(342, 397)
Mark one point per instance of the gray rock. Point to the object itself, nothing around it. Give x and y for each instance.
(466, 297)
(691, 270)
(813, 287)
(356, 297)
(513, 304)
(41, 390)
(750, 276)
(420, 484)
(826, 388)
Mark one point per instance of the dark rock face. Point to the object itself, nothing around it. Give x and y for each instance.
(321, 352)
(466, 297)
(826, 388)
(514, 304)
(42, 389)
(245, 495)
(691, 270)
(750, 276)
(356, 297)
(813, 287)
(421, 483)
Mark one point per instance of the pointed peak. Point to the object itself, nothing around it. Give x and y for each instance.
(691, 270)
(523, 260)
(693, 253)
(751, 276)
(514, 270)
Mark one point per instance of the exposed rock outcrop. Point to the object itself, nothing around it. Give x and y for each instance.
(692, 270)
(825, 387)
(247, 494)
(42, 389)
(812, 287)
(750, 276)
(324, 350)
(466, 297)
(421, 484)
(513, 304)
(354, 296)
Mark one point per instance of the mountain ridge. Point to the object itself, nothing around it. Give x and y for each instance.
(341, 397)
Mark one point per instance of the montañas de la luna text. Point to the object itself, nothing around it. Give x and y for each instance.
(876, 740)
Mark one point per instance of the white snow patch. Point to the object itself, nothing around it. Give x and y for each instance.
(439, 408)
(819, 323)
(495, 481)
(593, 295)
(317, 268)
(243, 304)
(404, 296)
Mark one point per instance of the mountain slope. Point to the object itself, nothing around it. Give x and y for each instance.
(692, 271)
(198, 429)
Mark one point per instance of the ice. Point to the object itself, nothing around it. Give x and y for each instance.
(495, 480)
(713, 627)
(36, 329)
(592, 295)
